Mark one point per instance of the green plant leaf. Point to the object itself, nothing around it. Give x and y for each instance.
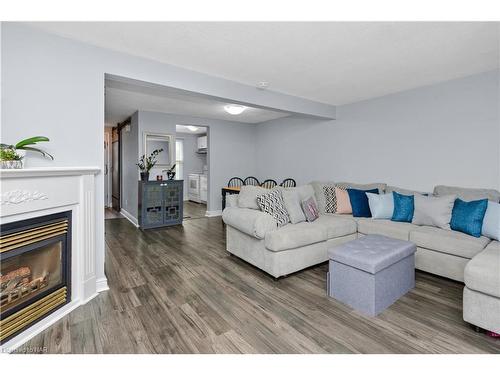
(30, 141)
(44, 153)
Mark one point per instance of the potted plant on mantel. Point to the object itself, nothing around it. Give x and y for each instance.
(146, 163)
(12, 156)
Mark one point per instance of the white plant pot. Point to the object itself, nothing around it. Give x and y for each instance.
(14, 164)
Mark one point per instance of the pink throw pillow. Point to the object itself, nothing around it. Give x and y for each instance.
(343, 201)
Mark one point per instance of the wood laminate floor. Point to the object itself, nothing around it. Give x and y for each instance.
(176, 290)
(193, 210)
(111, 213)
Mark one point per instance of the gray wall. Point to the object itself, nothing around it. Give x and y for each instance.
(442, 134)
(130, 171)
(193, 162)
(54, 86)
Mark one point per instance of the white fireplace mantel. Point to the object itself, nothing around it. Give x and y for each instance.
(32, 192)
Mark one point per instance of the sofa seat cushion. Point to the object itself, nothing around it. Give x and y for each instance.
(448, 241)
(252, 222)
(336, 226)
(292, 236)
(393, 229)
(482, 273)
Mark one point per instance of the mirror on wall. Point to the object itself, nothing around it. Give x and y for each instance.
(155, 141)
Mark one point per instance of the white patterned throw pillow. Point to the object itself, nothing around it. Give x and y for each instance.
(331, 197)
(272, 203)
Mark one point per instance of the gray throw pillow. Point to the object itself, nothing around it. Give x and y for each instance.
(310, 209)
(248, 196)
(291, 198)
(433, 211)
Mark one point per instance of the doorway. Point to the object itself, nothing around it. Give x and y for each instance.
(192, 166)
(112, 160)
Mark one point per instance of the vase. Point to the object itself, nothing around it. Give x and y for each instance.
(144, 176)
(14, 164)
(11, 164)
(170, 175)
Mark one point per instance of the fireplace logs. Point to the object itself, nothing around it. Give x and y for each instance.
(16, 284)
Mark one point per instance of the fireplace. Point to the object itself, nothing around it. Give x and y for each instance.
(35, 270)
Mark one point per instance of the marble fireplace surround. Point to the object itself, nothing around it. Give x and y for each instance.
(28, 193)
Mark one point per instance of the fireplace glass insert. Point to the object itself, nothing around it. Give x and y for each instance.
(34, 270)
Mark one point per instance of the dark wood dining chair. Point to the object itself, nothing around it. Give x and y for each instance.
(288, 182)
(269, 184)
(235, 182)
(251, 181)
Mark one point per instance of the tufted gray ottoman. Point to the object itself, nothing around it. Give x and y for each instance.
(371, 273)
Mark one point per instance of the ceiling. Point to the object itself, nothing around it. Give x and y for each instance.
(330, 62)
(185, 129)
(124, 98)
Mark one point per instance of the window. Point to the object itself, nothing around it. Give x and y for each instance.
(179, 158)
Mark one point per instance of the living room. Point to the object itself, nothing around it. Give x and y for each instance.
(384, 240)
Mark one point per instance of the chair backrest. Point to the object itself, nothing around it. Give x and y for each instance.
(288, 182)
(251, 181)
(235, 182)
(269, 184)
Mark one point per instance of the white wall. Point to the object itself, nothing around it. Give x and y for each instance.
(54, 86)
(442, 134)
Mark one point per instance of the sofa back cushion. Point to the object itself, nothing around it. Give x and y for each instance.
(399, 190)
(433, 211)
(468, 194)
(248, 196)
(292, 201)
(374, 185)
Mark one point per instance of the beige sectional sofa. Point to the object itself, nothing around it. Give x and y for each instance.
(253, 236)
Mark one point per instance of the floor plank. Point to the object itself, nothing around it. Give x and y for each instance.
(176, 290)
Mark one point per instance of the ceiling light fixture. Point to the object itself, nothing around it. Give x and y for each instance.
(192, 128)
(262, 85)
(234, 109)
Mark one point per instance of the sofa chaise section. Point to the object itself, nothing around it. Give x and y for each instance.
(482, 289)
(445, 252)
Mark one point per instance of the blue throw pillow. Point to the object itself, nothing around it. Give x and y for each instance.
(467, 217)
(404, 206)
(359, 202)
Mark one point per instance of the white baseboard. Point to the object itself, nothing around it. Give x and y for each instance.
(213, 213)
(101, 285)
(129, 217)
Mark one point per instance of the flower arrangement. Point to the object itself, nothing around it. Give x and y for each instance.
(11, 156)
(146, 163)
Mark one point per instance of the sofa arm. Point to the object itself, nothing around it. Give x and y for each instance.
(252, 222)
